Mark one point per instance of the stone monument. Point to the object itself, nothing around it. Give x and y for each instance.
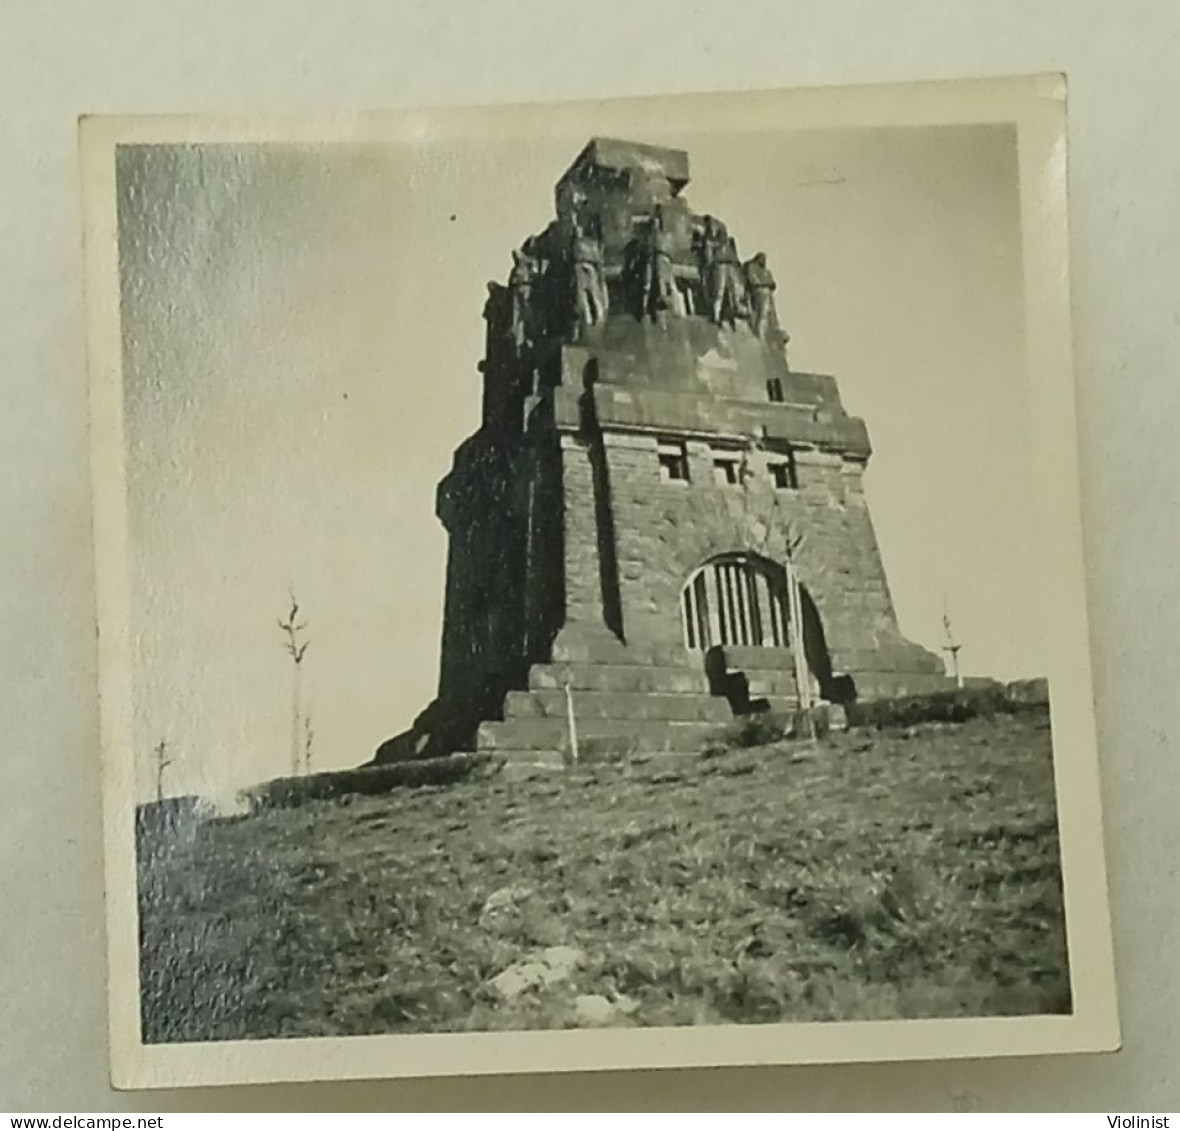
(657, 513)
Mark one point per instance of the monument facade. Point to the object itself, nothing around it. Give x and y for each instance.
(658, 514)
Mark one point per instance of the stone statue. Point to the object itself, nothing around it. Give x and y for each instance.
(760, 285)
(520, 283)
(659, 281)
(721, 267)
(590, 297)
(496, 311)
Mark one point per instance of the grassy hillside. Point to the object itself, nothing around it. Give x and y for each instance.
(907, 873)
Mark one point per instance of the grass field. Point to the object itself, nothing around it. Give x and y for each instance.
(903, 873)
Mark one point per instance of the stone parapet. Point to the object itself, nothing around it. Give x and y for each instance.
(697, 414)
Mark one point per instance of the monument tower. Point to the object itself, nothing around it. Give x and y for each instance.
(656, 508)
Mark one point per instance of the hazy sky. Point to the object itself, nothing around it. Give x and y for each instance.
(301, 331)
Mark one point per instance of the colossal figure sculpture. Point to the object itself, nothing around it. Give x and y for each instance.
(723, 274)
(760, 286)
(659, 284)
(520, 283)
(590, 296)
(622, 521)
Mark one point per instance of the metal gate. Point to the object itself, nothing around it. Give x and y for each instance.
(735, 600)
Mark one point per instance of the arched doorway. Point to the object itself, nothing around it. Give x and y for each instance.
(735, 600)
(740, 600)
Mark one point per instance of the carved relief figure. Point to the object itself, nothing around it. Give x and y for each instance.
(659, 278)
(722, 269)
(589, 287)
(497, 312)
(760, 284)
(520, 283)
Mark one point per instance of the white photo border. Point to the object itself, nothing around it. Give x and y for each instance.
(1036, 106)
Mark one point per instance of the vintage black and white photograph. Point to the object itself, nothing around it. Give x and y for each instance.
(590, 568)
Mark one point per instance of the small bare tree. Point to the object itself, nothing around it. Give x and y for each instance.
(766, 518)
(308, 741)
(161, 761)
(295, 644)
(952, 647)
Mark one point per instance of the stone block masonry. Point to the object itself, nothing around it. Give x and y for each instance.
(650, 484)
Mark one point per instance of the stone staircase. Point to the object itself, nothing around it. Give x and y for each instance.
(626, 700)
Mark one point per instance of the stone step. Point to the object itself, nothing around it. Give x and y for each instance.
(518, 759)
(739, 657)
(619, 677)
(679, 707)
(902, 658)
(891, 685)
(780, 704)
(608, 650)
(599, 735)
(763, 682)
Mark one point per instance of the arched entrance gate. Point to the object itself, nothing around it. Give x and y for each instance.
(741, 600)
(736, 600)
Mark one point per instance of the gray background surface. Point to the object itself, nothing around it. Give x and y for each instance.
(57, 61)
